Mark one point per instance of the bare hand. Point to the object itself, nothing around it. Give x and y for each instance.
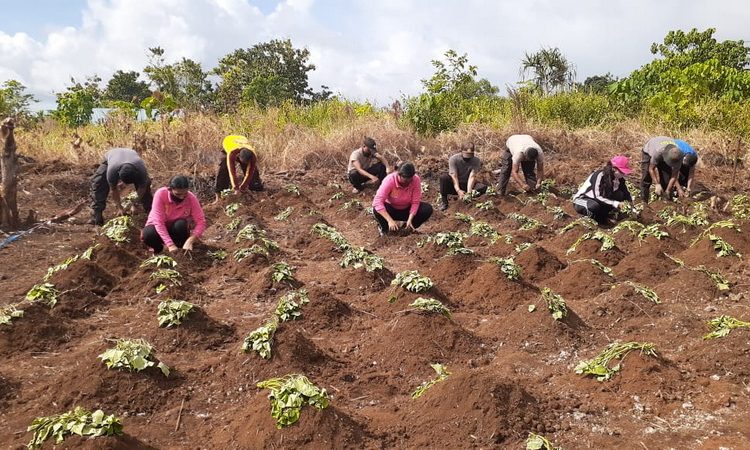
(659, 190)
(172, 248)
(461, 194)
(409, 226)
(189, 244)
(392, 225)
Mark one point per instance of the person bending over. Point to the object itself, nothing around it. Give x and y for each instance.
(461, 177)
(120, 166)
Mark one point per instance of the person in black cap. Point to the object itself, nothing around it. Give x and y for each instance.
(120, 165)
(660, 165)
(363, 170)
(461, 177)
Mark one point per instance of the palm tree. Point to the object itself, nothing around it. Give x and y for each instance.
(551, 70)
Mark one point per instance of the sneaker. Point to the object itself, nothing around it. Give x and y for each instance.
(443, 204)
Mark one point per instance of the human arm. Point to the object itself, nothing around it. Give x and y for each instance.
(158, 218)
(515, 175)
(231, 160)
(674, 183)
(539, 171)
(599, 195)
(115, 190)
(251, 165)
(655, 179)
(378, 203)
(199, 219)
(691, 175)
(358, 167)
(456, 185)
(415, 190)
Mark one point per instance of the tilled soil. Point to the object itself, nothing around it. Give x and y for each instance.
(511, 369)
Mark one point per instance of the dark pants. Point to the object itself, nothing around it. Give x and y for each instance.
(223, 182)
(598, 210)
(665, 173)
(447, 188)
(179, 231)
(423, 213)
(506, 165)
(358, 180)
(100, 191)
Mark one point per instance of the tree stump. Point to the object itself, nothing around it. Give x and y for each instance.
(9, 172)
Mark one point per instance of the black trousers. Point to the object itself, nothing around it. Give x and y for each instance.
(423, 213)
(179, 231)
(599, 210)
(447, 188)
(506, 166)
(358, 180)
(100, 191)
(665, 174)
(223, 182)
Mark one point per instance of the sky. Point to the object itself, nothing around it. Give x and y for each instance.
(363, 50)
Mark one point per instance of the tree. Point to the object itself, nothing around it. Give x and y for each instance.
(683, 49)
(550, 68)
(184, 81)
(75, 106)
(14, 101)
(598, 84)
(266, 74)
(125, 87)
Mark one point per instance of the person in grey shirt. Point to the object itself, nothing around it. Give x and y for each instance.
(660, 153)
(120, 165)
(363, 168)
(461, 177)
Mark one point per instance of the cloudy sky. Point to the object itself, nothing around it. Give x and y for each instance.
(364, 50)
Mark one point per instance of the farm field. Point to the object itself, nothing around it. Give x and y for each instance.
(511, 365)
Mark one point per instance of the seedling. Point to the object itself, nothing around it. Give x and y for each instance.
(631, 225)
(652, 230)
(231, 209)
(485, 206)
(596, 263)
(646, 292)
(585, 222)
(709, 229)
(159, 261)
(169, 275)
(8, 313)
(631, 209)
(508, 266)
(412, 281)
(289, 394)
(43, 293)
(116, 229)
(333, 235)
(539, 442)
(129, 201)
(261, 339)
(351, 204)
(89, 252)
(599, 366)
(491, 191)
(282, 272)
(283, 215)
(470, 196)
(675, 260)
(244, 252)
(723, 325)
(722, 247)
(62, 266)
(527, 223)
(442, 374)
(484, 229)
(719, 280)
(740, 205)
(226, 193)
(555, 304)
(218, 255)
(234, 224)
(430, 305)
(454, 240)
(292, 189)
(424, 186)
(250, 233)
(358, 257)
(336, 196)
(464, 217)
(557, 212)
(133, 355)
(290, 305)
(77, 422)
(523, 246)
(173, 312)
(608, 242)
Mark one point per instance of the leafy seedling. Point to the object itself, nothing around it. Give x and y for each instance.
(430, 305)
(484, 229)
(608, 242)
(289, 394)
(173, 312)
(261, 339)
(255, 249)
(351, 204)
(631, 209)
(599, 366)
(159, 261)
(290, 305)
(424, 186)
(630, 225)
(226, 193)
(675, 260)
(523, 246)
(527, 223)
(720, 224)
(557, 212)
(464, 217)
(133, 355)
(170, 276)
(646, 292)
(231, 209)
(584, 222)
(333, 235)
(357, 257)
(508, 266)
(116, 229)
(723, 325)
(740, 205)
(442, 374)
(77, 422)
(8, 313)
(596, 263)
(412, 281)
(539, 442)
(282, 272)
(722, 284)
(43, 293)
(722, 247)
(485, 206)
(283, 215)
(218, 255)
(454, 240)
(652, 230)
(555, 304)
(234, 224)
(470, 196)
(336, 196)
(249, 233)
(89, 252)
(292, 189)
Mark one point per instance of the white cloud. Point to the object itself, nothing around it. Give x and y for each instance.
(363, 49)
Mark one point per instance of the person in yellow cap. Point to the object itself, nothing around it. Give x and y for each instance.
(238, 149)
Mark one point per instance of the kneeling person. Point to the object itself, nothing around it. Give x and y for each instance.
(604, 191)
(176, 219)
(362, 167)
(237, 149)
(461, 177)
(400, 198)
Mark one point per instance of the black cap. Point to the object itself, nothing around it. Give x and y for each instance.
(369, 143)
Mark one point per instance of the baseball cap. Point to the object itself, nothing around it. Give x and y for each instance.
(622, 163)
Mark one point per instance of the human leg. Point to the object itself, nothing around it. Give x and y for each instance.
(151, 238)
(99, 193)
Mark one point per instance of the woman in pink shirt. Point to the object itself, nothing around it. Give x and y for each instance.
(399, 197)
(174, 213)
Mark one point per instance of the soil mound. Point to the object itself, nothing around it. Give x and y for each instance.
(580, 280)
(38, 330)
(85, 276)
(538, 264)
(487, 290)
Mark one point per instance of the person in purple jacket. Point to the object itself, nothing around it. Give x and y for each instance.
(176, 219)
(399, 198)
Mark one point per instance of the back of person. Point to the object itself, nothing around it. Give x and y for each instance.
(117, 157)
(655, 146)
(518, 143)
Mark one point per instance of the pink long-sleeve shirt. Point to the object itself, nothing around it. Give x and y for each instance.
(399, 197)
(165, 212)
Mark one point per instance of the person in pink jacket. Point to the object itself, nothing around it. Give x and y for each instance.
(399, 197)
(176, 219)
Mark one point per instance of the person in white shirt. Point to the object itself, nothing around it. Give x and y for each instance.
(522, 154)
